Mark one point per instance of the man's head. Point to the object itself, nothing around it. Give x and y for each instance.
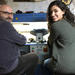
(6, 12)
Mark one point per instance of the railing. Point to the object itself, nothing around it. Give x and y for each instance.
(30, 17)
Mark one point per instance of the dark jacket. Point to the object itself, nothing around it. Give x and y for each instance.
(63, 43)
(10, 40)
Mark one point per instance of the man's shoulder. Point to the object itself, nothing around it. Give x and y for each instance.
(2, 21)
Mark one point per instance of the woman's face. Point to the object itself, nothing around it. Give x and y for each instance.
(56, 13)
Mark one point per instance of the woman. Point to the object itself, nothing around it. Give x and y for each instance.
(62, 38)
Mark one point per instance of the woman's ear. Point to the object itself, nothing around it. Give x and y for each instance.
(63, 12)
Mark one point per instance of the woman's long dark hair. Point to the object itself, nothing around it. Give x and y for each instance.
(2, 2)
(68, 15)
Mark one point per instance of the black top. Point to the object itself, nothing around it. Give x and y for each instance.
(10, 41)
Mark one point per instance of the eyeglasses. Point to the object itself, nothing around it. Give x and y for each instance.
(6, 13)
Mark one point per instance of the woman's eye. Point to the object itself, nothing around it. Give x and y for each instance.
(55, 11)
